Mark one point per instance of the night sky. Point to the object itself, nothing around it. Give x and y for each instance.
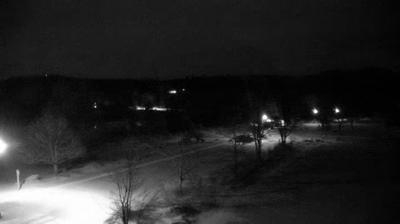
(176, 38)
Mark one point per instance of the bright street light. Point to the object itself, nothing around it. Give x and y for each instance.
(315, 111)
(336, 110)
(265, 119)
(3, 146)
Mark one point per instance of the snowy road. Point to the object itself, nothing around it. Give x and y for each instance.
(83, 201)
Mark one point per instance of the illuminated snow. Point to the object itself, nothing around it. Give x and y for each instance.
(3, 146)
(66, 205)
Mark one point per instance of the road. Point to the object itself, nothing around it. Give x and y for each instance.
(87, 200)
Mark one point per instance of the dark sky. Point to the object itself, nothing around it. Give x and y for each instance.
(175, 38)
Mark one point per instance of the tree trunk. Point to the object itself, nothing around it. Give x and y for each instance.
(283, 136)
(55, 168)
(54, 157)
(181, 172)
(259, 144)
(181, 183)
(235, 159)
(125, 214)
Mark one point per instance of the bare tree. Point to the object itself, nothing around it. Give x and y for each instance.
(237, 140)
(185, 166)
(257, 131)
(128, 204)
(126, 185)
(287, 114)
(127, 182)
(285, 128)
(235, 152)
(50, 140)
(131, 200)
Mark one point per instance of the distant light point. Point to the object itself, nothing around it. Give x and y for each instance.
(172, 91)
(315, 111)
(140, 108)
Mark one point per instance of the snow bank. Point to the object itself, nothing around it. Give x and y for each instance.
(220, 217)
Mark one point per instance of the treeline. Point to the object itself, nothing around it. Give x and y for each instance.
(359, 93)
(215, 100)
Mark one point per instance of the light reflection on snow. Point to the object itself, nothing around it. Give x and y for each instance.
(64, 206)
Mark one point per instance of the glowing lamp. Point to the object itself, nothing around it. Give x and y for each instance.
(264, 118)
(336, 110)
(315, 111)
(3, 146)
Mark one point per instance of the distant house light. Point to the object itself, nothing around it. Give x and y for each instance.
(172, 91)
(95, 105)
(265, 118)
(183, 90)
(140, 108)
(159, 108)
(282, 123)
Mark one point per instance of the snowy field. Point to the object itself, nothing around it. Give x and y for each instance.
(319, 177)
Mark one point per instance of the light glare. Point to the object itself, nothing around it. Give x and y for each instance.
(140, 108)
(265, 119)
(67, 206)
(159, 108)
(172, 91)
(3, 147)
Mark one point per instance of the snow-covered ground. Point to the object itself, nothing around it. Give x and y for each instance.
(321, 177)
(83, 195)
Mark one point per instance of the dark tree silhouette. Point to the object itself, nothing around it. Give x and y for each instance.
(50, 140)
(257, 131)
(285, 128)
